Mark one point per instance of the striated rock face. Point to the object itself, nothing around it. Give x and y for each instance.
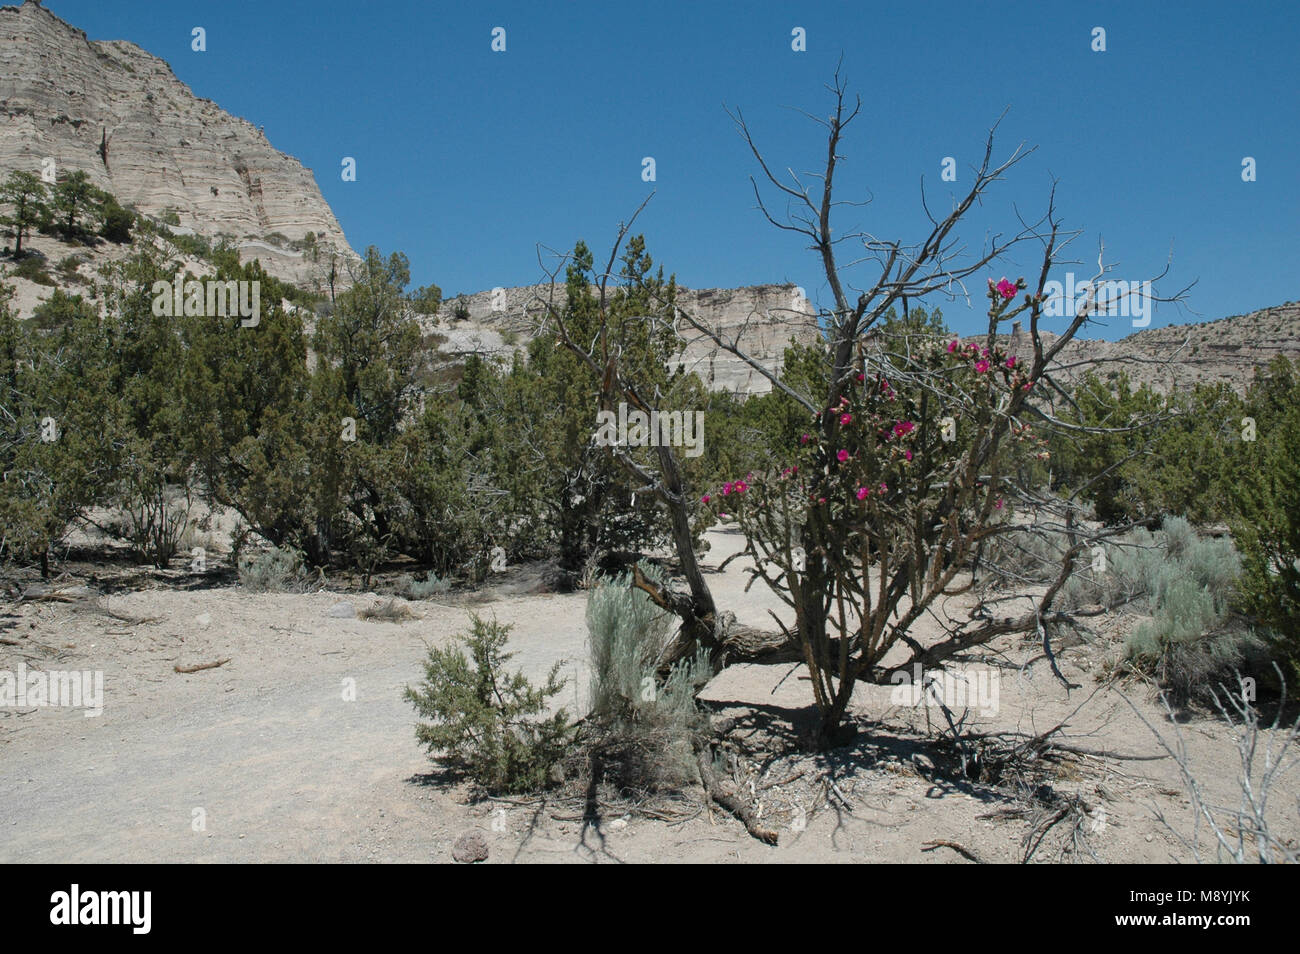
(122, 116)
(761, 320)
(1179, 357)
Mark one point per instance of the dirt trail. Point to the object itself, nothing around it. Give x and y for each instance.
(277, 765)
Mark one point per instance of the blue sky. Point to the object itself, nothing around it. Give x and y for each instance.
(468, 159)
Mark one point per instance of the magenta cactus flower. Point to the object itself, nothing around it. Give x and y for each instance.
(981, 366)
(1007, 289)
(842, 455)
(862, 493)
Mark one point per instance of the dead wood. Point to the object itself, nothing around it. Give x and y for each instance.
(724, 793)
(202, 666)
(960, 849)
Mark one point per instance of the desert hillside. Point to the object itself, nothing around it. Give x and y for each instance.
(121, 115)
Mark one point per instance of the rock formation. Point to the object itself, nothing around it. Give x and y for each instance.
(122, 116)
(1178, 357)
(761, 320)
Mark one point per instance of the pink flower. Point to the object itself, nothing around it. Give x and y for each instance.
(903, 427)
(821, 500)
(952, 346)
(723, 516)
(726, 488)
(861, 376)
(842, 455)
(862, 493)
(740, 486)
(907, 454)
(1011, 361)
(804, 439)
(981, 366)
(1007, 289)
(883, 487)
(705, 499)
(998, 505)
(846, 419)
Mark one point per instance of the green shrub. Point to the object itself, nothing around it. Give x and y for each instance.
(67, 269)
(32, 268)
(486, 723)
(116, 222)
(1266, 525)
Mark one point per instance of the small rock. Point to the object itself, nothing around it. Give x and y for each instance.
(470, 847)
(618, 824)
(344, 610)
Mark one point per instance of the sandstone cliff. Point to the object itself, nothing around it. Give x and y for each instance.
(760, 320)
(122, 116)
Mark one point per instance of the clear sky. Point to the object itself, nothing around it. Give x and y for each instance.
(467, 159)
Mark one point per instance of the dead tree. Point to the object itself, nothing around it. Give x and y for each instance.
(858, 574)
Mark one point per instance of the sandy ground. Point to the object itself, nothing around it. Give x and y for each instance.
(271, 757)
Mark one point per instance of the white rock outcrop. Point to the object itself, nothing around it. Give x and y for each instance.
(121, 115)
(759, 320)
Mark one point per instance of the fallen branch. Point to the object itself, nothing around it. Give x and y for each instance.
(723, 793)
(961, 850)
(202, 666)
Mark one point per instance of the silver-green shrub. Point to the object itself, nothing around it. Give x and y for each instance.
(414, 589)
(276, 570)
(632, 705)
